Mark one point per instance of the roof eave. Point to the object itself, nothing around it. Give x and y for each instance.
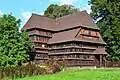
(75, 40)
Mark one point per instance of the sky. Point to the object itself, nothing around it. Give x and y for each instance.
(22, 9)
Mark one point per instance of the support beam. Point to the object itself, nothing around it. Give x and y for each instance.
(100, 60)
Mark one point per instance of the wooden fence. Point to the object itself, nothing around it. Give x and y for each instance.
(33, 71)
(93, 63)
(111, 64)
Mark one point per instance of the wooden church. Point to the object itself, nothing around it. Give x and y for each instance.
(74, 38)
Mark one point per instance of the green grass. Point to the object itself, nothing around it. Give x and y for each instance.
(80, 74)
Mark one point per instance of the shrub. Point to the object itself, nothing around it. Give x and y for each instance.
(54, 66)
(29, 69)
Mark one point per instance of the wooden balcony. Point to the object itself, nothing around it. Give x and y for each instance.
(57, 53)
(73, 47)
(72, 58)
(39, 41)
(42, 52)
(41, 48)
(41, 58)
(42, 35)
(78, 59)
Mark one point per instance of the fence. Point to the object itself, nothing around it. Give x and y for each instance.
(31, 70)
(93, 63)
(111, 64)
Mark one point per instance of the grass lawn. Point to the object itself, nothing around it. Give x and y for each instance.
(80, 74)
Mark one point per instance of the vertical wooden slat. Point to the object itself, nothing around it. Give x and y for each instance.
(100, 60)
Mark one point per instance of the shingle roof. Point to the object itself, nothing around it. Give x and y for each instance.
(77, 19)
(81, 18)
(38, 21)
(70, 35)
(63, 36)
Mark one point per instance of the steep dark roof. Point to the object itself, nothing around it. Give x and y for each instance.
(63, 36)
(77, 19)
(81, 18)
(70, 35)
(38, 21)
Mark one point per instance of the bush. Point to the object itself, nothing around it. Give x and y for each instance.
(29, 69)
(54, 66)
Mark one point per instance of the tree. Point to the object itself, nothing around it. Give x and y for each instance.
(107, 14)
(56, 11)
(14, 45)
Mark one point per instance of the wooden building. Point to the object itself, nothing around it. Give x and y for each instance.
(73, 38)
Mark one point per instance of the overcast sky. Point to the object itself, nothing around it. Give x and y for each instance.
(22, 9)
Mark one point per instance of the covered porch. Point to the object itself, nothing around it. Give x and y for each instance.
(98, 61)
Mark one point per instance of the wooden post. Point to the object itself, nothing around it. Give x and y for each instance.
(104, 61)
(80, 63)
(100, 60)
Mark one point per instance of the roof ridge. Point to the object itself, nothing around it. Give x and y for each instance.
(59, 17)
(71, 14)
(42, 16)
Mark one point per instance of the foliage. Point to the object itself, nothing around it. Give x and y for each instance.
(54, 66)
(29, 69)
(14, 45)
(80, 74)
(56, 11)
(107, 14)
